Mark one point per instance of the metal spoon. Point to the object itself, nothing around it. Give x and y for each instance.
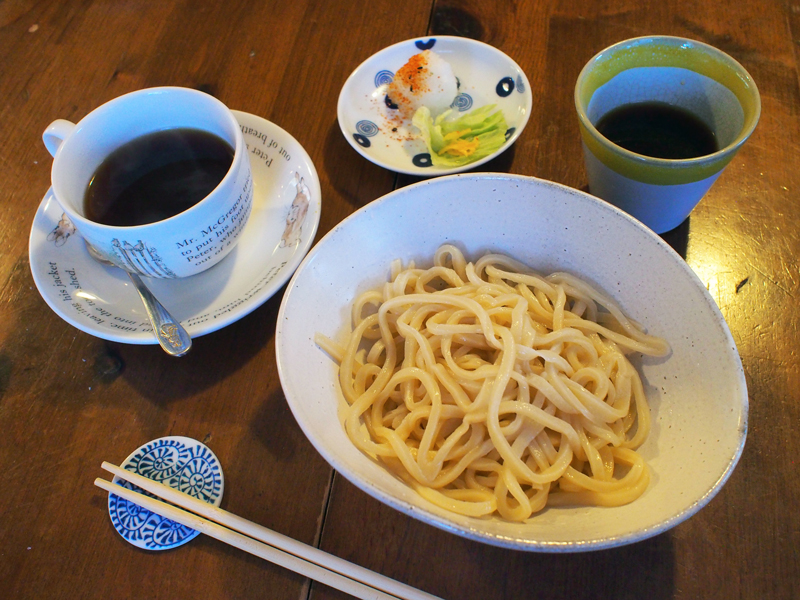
(169, 332)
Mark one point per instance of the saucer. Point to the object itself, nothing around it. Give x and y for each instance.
(485, 74)
(179, 462)
(101, 300)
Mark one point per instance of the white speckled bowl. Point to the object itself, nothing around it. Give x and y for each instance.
(697, 395)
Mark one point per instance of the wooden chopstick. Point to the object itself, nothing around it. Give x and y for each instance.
(260, 541)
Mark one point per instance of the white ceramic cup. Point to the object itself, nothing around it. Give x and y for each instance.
(688, 74)
(185, 244)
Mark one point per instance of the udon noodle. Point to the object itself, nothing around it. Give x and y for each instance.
(491, 389)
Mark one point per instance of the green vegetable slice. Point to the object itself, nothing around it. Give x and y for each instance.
(461, 141)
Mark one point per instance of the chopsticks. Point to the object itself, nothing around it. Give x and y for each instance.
(260, 541)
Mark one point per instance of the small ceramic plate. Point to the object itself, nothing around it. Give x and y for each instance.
(485, 74)
(179, 462)
(101, 301)
(697, 394)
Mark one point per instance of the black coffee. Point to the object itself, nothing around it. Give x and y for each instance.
(659, 130)
(156, 176)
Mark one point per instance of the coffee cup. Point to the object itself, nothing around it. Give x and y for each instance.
(211, 198)
(662, 89)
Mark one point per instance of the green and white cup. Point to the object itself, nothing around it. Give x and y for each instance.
(684, 73)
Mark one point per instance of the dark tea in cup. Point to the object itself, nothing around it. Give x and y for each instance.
(156, 176)
(659, 130)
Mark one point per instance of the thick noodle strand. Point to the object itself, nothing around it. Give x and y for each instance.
(491, 389)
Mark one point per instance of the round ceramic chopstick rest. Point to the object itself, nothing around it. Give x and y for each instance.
(179, 462)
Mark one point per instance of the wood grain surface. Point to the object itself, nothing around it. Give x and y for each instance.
(68, 401)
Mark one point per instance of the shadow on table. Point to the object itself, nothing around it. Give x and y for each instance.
(352, 176)
(641, 570)
(452, 20)
(645, 570)
(454, 567)
(6, 364)
(215, 356)
(678, 238)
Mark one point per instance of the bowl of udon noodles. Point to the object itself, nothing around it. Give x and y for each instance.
(513, 361)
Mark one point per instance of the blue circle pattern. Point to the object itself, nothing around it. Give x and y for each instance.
(388, 102)
(362, 140)
(367, 128)
(463, 102)
(422, 160)
(505, 86)
(425, 45)
(520, 84)
(192, 469)
(383, 77)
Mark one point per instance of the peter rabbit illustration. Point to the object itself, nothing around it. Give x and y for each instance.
(62, 231)
(297, 214)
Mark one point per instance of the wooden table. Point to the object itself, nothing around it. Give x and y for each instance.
(69, 400)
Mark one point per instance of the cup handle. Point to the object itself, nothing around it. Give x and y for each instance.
(55, 134)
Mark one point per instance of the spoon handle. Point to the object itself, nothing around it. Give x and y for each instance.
(169, 332)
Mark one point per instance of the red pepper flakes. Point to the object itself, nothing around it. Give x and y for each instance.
(410, 81)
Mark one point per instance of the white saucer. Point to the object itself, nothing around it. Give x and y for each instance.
(486, 76)
(101, 300)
